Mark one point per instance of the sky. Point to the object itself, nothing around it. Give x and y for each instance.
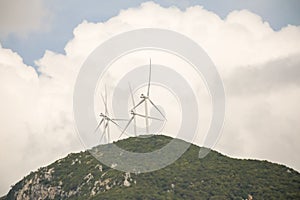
(28, 25)
(254, 44)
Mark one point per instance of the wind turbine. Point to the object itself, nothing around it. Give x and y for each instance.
(134, 114)
(145, 100)
(106, 119)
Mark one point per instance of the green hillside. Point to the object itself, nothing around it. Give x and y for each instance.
(81, 176)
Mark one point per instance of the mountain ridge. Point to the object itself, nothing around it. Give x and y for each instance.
(81, 176)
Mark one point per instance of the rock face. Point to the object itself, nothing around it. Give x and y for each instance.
(73, 177)
(81, 176)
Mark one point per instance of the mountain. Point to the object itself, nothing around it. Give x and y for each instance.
(81, 176)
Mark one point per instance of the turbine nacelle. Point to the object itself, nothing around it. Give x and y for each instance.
(143, 96)
(102, 115)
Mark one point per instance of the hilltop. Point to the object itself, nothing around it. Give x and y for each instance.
(81, 176)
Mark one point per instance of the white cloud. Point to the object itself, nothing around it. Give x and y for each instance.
(36, 116)
(21, 17)
(36, 111)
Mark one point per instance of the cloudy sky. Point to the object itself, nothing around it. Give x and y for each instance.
(254, 44)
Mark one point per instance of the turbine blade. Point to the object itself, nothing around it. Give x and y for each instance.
(148, 91)
(105, 105)
(133, 104)
(103, 98)
(131, 93)
(106, 110)
(116, 123)
(138, 104)
(106, 125)
(126, 126)
(120, 119)
(98, 125)
(148, 117)
(157, 108)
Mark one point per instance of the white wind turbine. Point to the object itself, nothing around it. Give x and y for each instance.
(145, 100)
(106, 120)
(133, 113)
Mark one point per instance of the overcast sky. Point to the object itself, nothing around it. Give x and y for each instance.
(43, 45)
